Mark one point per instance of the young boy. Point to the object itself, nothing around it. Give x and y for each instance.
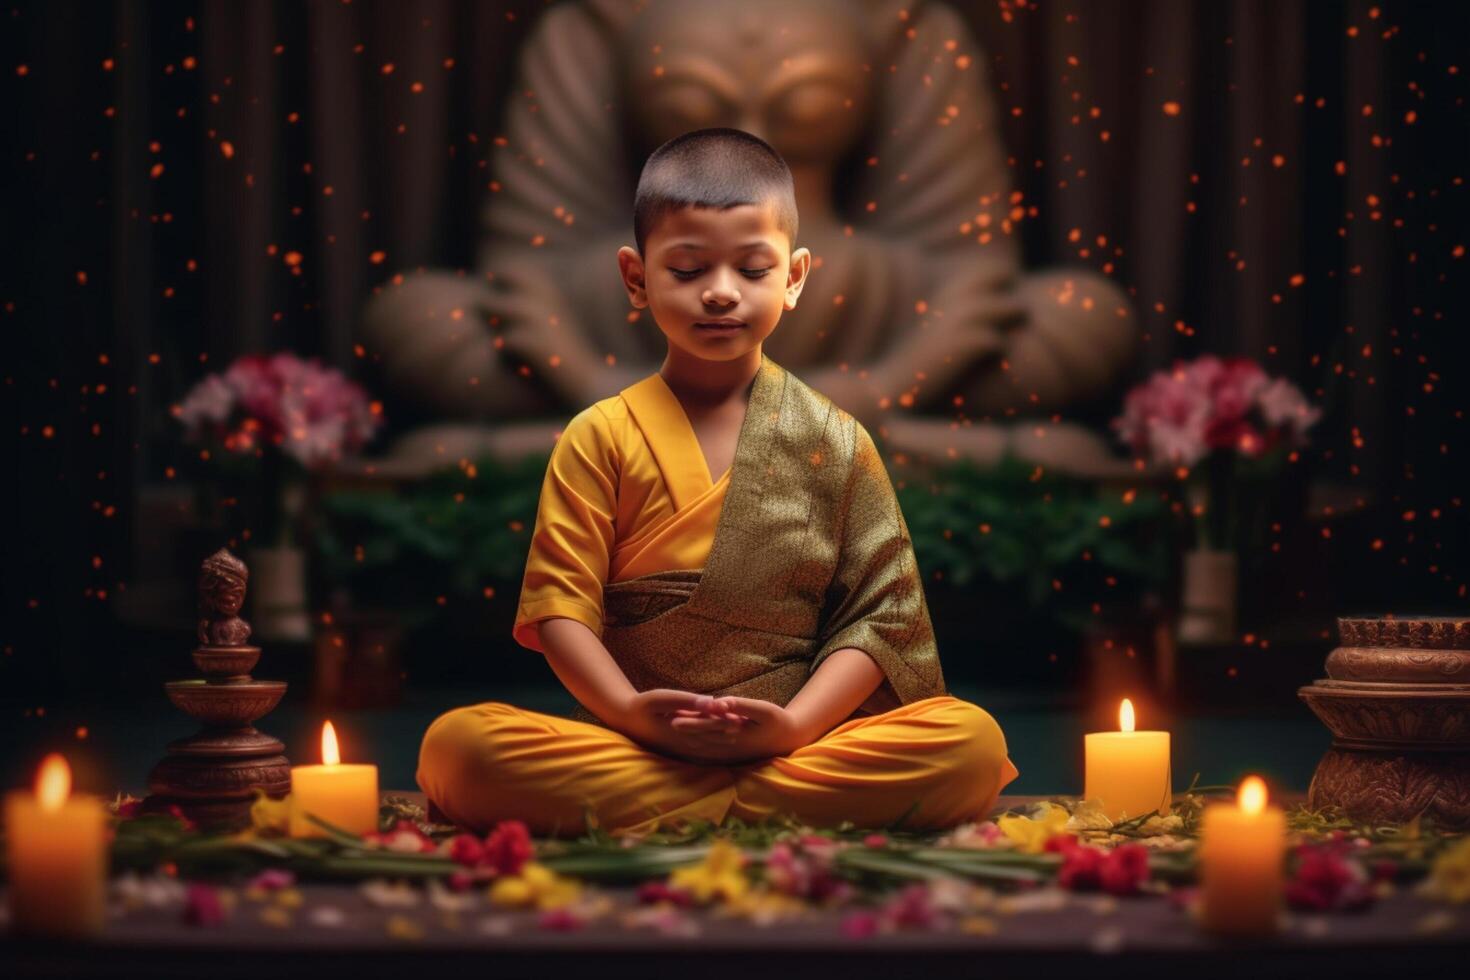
(719, 572)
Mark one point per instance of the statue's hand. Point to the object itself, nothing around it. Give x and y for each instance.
(848, 391)
(537, 329)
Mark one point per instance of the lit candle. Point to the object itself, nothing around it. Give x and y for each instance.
(57, 850)
(1127, 772)
(345, 796)
(1241, 852)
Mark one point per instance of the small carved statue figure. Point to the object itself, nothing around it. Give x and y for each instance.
(221, 595)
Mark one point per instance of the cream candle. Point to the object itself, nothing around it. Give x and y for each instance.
(1127, 772)
(343, 795)
(57, 852)
(1241, 852)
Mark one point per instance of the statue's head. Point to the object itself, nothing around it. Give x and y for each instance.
(222, 585)
(792, 72)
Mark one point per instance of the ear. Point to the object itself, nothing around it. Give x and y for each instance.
(801, 264)
(630, 266)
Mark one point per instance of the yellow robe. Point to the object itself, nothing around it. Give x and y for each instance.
(627, 493)
(737, 585)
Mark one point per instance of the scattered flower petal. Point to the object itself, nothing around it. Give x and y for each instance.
(402, 928)
(274, 915)
(272, 879)
(1030, 834)
(1449, 875)
(720, 875)
(203, 905)
(327, 917)
(389, 894)
(1107, 941)
(446, 899)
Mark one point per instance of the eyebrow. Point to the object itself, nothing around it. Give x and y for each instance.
(705, 248)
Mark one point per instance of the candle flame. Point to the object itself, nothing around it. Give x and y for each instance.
(1125, 716)
(1252, 795)
(331, 755)
(53, 782)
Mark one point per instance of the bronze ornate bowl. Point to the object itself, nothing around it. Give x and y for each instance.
(226, 705)
(1398, 707)
(1418, 716)
(1425, 632)
(1399, 664)
(226, 663)
(223, 780)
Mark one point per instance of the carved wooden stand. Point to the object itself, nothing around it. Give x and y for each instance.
(1398, 705)
(212, 775)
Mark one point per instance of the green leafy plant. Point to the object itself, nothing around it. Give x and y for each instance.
(457, 533)
(449, 536)
(1067, 543)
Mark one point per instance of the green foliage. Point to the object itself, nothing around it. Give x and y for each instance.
(455, 534)
(452, 534)
(1059, 539)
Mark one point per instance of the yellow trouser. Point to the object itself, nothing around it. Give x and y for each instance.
(490, 762)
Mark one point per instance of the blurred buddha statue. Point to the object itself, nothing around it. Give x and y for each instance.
(917, 317)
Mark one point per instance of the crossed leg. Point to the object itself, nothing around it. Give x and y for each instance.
(932, 763)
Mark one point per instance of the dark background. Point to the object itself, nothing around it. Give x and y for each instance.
(1305, 206)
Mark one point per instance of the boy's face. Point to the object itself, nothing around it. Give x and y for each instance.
(704, 264)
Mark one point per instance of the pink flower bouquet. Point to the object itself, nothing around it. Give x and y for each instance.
(313, 414)
(274, 414)
(1215, 416)
(1178, 417)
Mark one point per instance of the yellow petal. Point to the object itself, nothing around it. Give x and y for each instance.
(270, 816)
(720, 874)
(401, 927)
(537, 875)
(1449, 877)
(511, 892)
(1030, 834)
(559, 895)
(274, 916)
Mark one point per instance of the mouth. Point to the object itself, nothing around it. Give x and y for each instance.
(722, 325)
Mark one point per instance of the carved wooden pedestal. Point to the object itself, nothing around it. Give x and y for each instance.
(1398, 705)
(212, 776)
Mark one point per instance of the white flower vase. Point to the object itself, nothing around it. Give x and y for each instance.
(1211, 583)
(277, 592)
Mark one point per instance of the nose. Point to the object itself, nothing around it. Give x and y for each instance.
(752, 122)
(722, 290)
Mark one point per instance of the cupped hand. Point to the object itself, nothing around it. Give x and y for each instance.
(712, 714)
(669, 721)
(764, 730)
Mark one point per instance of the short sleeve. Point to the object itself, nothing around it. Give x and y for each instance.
(573, 538)
(875, 602)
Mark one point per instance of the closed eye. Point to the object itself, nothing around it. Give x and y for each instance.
(687, 274)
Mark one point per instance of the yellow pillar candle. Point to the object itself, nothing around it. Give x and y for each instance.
(1127, 772)
(56, 846)
(1241, 852)
(345, 796)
